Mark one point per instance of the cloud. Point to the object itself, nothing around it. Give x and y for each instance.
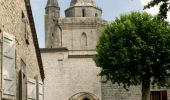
(144, 2)
(153, 10)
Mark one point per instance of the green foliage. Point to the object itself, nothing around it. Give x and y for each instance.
(163, 9)
(133, 48)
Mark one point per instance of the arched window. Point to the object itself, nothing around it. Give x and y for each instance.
(96, 15)
(83, 41)
(83, 96)
(83, 12)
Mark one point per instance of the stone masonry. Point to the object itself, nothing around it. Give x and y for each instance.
(16, 20)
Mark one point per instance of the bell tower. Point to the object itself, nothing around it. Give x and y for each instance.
(52, 14)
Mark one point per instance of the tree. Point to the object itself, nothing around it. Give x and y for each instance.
(135, 50)
(163, 9)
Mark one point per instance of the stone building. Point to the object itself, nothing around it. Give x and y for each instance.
(70, 46)
(21, 70)
(71, 73)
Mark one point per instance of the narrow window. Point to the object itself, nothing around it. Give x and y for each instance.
(96, 15)
(22, 14)
(27, 37)
(23, 23)
(83, 41)
(8, 67)
(24, 28)
(83, 12)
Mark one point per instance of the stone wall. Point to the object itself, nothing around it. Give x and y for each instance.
(68, 73)
(116, 92)
(11, 22)
(68, 33)
(73, 39)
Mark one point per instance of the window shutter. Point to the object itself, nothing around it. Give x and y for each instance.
(40, 91)
(8, 67)
(31, 89)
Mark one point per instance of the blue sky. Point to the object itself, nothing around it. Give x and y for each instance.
(111, 10)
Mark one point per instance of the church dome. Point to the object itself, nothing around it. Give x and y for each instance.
(82, 3)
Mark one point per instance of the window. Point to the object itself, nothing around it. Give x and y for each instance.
(83, 12)
(83, 41)
(31, 89)
(22, 14)
(96, 15)
(158, 95)
(24, 28)
(35, 88)
(27, 37)
(23, 23)
(8, 67)
(39, 87)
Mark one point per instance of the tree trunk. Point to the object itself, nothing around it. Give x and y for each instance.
(146, 89)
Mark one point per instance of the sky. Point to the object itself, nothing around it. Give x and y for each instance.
(111, 10)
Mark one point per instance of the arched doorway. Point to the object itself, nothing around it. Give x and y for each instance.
(84, 96)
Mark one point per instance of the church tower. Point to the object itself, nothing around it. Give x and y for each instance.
(52, 13)
(78, 30)
(71, 73)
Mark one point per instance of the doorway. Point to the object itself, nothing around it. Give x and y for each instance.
(83, 96)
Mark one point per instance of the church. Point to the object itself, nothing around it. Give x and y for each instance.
(70, 42)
